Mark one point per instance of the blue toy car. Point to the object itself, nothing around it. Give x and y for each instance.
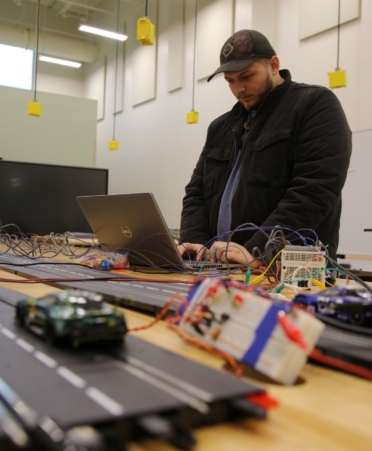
(350, 305)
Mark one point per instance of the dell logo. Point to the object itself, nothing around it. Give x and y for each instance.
(126, 231)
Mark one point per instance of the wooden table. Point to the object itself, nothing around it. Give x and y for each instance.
(325, 411)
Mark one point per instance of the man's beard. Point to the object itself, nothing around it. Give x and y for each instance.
(267, 86)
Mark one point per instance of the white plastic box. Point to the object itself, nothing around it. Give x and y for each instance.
(245, 325)
(302, 263)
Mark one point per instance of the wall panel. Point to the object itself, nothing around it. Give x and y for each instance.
(175, 45)
(65, 133)
(214, 26)
(317, 16)
(144, 62)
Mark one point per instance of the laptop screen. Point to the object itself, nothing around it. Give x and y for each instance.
(133, 224)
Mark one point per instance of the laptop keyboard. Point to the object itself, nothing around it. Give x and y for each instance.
(210, 265)
(83, 235)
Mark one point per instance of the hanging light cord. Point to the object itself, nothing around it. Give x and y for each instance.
(146, 7)
(116, 67)
(338, 35)
(37, 46)
(194, 58)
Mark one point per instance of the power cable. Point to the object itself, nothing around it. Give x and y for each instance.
(37, 46)
(116, 66)
(194, 57)
(338, 34)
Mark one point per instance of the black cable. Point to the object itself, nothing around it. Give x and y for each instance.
(194, 57)
(46, 247)
(338, 34)
(116, 66)
(37, 46)
(28, 245)
(275, 242)
(22, 265)
(246, 224)
(257, 252)
(44, 263)
(353, 276)
(47, 280)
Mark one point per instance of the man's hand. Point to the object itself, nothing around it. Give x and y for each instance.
(196, 251)
(234, 252)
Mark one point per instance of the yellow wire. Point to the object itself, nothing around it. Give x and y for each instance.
(272, 261)
(262, 276)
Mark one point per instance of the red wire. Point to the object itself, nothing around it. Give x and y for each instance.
(110, 279)
(162, 312)
(238, 370)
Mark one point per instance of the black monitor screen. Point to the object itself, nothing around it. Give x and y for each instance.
(41, 198)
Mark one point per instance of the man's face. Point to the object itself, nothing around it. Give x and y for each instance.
(251, 86)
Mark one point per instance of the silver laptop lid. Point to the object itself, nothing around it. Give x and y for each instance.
(132, 223)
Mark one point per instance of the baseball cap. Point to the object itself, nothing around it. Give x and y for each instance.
(241, 50)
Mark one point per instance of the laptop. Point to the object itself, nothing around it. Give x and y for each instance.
(133, 224)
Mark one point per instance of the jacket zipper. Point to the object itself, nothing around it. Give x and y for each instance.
(235, 143)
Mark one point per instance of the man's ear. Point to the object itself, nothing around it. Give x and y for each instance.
(274, 65)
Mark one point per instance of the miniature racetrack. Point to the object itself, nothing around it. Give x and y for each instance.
(111, 383)
(148, 296)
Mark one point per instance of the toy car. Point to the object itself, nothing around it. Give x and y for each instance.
(73, 316)
(351, 305)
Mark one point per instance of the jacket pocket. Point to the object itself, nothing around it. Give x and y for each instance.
(215, 171)
(268, 159)
(271, 138)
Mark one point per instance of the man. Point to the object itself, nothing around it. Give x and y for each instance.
(279, 157)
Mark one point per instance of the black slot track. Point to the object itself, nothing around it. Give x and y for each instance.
(150, 298)
(112, 384)
(147, 296)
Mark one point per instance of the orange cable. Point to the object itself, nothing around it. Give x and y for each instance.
(161, 314)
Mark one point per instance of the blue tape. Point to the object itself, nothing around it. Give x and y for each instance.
(190, 295)
(263, 333)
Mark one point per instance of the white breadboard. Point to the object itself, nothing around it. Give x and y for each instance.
(244, 325)
(301, 263)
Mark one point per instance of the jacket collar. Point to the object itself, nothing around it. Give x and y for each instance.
(239, 113)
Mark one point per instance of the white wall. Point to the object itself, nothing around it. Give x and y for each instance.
(158, 150)
(59, 79)
(357, 194)
(310, 60)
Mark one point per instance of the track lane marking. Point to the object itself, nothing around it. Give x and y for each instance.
(43, 358)
(167, 388)
(169, 379)
(25, 345)
(71, 377)
(8, 333)
(93, 393)
(105, 401)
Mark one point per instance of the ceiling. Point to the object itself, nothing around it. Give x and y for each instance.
(57, 17)
(78, 9)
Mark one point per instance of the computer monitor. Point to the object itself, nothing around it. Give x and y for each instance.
(41, 198)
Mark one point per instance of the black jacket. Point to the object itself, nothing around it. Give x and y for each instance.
(294, 165)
